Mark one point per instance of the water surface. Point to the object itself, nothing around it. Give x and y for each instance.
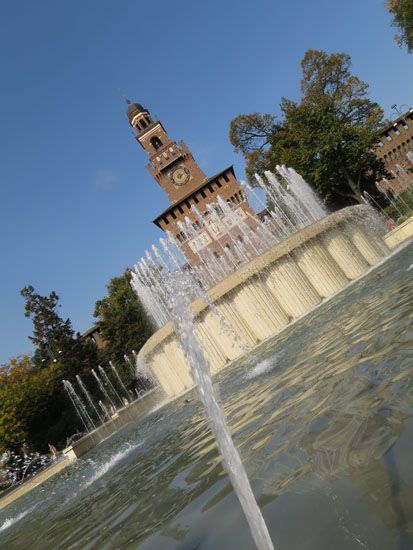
(322, 415)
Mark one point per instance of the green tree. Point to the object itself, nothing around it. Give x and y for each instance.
(402, 11)
(60, 351)
(27, 403)
(123, 321)
(50, 331)
(54, 337)
(329, 136)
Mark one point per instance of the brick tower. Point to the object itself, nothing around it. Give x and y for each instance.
(176, 171)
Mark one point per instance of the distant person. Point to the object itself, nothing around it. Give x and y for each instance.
(125, 401)
(25, 450)
(390, 223)
(52, 450)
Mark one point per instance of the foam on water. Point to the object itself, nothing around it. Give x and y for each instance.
(8, 522)
(114, 459)
(261, 368)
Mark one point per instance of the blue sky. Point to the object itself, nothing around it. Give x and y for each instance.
(76, 200)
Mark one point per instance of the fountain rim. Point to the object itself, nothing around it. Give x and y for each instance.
(255, 266)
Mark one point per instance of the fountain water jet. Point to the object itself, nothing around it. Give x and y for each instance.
(79, 406)
(184, 325)
(88, 397)
(118, 378)
(110, 385)
(103, 389)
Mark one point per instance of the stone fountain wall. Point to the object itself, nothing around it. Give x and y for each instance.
(264, 296)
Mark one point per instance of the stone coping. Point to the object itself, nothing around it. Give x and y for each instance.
(123, 416)
(258, 264)
(399, 233)
(34, 481)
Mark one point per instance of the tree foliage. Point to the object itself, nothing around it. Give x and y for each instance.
(50, 331)
(123, 321)
(329, 136)
(54, 337)
(59, 354)
(26, 403)
(402, 11)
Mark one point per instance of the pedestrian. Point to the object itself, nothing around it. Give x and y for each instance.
(52, 450)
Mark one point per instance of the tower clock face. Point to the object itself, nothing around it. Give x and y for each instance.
(180, 176)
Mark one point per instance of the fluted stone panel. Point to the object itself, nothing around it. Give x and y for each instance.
(291, 288)
(345, 254)
(321, 270)
(259, 299)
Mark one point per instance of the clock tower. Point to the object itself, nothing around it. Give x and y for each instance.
(170, 163)
(190, 191)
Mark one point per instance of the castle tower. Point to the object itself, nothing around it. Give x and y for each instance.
(176, 171)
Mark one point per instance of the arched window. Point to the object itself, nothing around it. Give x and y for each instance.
(156, 142)
(143, 123)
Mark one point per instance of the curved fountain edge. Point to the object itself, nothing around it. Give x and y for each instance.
(369, 250)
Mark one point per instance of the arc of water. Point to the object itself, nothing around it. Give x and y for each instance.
(103, 389)
(288, 226)
(195, 290)
(304, 193)
(243, 240)
(143, 371)
(109, 384)
(88, 397)
(221, 223)
(130, 365)
(245, 230)
(79, 406)
(288, 202)
(184, 328)
(118, 378)
(374, 203)
(105, 411)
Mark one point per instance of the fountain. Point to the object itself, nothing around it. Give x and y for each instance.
(80, 407)
(302, 257)
(321, 415)
(297, 257)
(233, 311)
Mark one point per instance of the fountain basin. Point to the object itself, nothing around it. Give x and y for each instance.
(263, 296)
(401, 233)
(135, 410)
(322, 415)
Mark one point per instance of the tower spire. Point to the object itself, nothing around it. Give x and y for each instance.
(125, 97)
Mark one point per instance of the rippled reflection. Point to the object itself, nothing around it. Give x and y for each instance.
(323, 419)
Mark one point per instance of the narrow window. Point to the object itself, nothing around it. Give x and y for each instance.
(226, 178)
(156, 142)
